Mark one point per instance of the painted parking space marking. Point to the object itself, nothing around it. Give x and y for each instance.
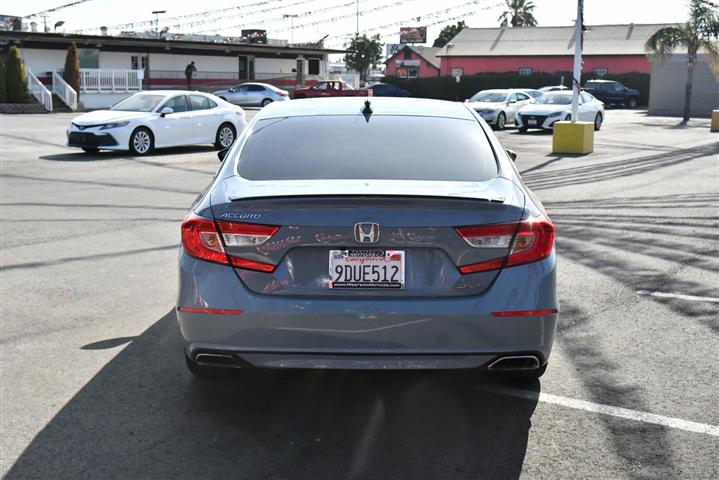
(586, 406)
(691, 298)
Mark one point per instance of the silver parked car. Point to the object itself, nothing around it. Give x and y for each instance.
(323, 242)
(253, 94)
(498, 107)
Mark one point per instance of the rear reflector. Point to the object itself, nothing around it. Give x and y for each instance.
(251, 265)
(531, 240)
(201, 239)
(216, 311)
(525, 313)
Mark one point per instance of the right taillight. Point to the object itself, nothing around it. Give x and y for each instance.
(533, 240)
(201, 239)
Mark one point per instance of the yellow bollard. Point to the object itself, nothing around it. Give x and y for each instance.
(577, 137)
(715, 121)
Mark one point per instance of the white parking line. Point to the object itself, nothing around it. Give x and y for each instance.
(635, 415)
(692, 298)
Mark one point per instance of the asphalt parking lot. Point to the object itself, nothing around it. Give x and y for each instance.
(93, 381)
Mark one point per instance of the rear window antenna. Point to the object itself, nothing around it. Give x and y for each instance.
(367, 110)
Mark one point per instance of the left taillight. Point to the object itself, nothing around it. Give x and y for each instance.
(201, 239)
(530, 241)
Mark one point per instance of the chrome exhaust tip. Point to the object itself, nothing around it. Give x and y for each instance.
(515, 363)
(216, 360)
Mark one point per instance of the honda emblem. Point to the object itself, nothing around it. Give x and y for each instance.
(367, 232)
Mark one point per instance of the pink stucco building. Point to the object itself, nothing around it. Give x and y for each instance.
(607, 50)
(413, 62)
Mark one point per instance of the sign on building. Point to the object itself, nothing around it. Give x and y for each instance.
(413, 35)
(254, 35)
(392, 48)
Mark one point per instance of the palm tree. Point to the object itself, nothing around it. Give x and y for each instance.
(519, 13)
(700, 32)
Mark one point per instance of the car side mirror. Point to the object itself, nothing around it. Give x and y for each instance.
(223, 153)
(512, 154)
(165, 111)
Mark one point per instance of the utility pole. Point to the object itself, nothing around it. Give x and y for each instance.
(157, 13)
(578, 26)
(357, 18)
(292, 25)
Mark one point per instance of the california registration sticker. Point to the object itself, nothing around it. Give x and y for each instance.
(393, 256)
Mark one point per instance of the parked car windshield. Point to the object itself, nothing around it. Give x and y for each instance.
(488, 97)
(385, 148)
(555, 99)
(139, 103)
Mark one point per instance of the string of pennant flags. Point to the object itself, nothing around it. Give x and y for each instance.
(300, 26)
(55, 9)
(424, 17)
(342, 40)
(218, 19)
(246, 10)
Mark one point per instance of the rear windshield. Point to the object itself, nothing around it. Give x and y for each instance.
(386, 148)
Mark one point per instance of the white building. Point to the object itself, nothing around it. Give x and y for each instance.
(114, 66)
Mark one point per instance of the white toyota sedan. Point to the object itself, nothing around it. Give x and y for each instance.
(554, 106)
(157, 119)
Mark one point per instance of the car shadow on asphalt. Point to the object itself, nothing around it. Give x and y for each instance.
(143, 416)
(80, 156)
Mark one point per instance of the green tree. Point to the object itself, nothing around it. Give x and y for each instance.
(71, 74)
(16, 81)
(363, 53)
(3, 82)
(519, 13)
(448, 33)
(701, 32)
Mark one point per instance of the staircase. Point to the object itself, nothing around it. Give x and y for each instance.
(58, 105)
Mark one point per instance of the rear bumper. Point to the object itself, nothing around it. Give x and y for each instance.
(366, 333)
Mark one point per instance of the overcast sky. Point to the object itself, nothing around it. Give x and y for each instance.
(337, 18)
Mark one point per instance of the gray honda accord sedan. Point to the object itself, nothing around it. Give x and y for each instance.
(368, 234)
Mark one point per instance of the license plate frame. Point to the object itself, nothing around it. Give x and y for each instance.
(531, 121)
(357, 264)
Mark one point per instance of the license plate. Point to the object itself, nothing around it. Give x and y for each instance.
(531, 122)
(366, 269)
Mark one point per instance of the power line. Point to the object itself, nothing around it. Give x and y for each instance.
(55, 9)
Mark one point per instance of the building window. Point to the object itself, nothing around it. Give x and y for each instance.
(600, 72)
(143, 61)
(407, 54)
(89, 57)
(408, 72)
(525, 71)
(313, 66)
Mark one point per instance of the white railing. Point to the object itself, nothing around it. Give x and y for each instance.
(63, 90)
(38, 90)
(104, 80)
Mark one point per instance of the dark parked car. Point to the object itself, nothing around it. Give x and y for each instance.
(387, 90)
(612, 92)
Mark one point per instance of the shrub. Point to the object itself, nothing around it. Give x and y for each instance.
(72, 68)
(16, 82)
(447, 88)
(3, 81)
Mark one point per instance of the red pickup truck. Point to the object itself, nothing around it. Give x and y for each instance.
(328, 88)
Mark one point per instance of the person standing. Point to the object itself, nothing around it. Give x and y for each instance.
(190, 70)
